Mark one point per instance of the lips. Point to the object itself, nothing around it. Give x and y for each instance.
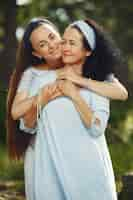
(67, 53)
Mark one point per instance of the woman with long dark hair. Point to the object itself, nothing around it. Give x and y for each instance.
(42, 41)
(17, 143)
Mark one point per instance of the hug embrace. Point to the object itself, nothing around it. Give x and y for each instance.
(58, 110)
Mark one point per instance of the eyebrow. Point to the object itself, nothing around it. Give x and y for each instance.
(44, 41)
(70, 40)
(50, 34)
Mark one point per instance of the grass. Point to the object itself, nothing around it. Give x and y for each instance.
(9, 170)
(122, 159)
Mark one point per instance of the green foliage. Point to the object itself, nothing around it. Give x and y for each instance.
(122, 158)
(121, 120)
(10, 170)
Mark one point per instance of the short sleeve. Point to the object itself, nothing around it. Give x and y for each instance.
(100, 107)
(25, 81)
(26, 129)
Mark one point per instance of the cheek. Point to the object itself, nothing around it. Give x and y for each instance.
(78, 52)
(77, 48)
(44, 50)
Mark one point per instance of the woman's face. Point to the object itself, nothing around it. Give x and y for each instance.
(46, 42)
(73, 51)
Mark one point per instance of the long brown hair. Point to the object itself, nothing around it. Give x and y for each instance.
(17, 140)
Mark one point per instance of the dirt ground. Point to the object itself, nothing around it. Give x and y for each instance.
(8, 191)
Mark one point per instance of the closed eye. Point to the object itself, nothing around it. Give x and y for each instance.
(43, 43)
(63, 42)
(72, 42)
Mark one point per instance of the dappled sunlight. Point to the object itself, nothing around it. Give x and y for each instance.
(127, 126)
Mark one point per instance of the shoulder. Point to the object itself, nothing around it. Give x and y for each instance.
(25, 80)
(96, 99)
(30, 73)
(94, 96)
(99, 102)
(27, 72)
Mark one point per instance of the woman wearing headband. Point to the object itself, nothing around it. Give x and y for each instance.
(44, 56)
(32, 85)
(112, 89)
(71, 159)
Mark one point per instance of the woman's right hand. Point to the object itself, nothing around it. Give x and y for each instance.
(46, 94)
(49, 93)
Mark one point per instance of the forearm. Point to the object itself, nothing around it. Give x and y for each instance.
(30, 117)
(113, 90)
(21, 108)
(85, 112)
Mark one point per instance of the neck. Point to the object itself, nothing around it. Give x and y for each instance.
(50, 65)
(55, 64)
(76, 67)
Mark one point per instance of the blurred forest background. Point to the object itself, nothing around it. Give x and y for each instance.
(117, 18)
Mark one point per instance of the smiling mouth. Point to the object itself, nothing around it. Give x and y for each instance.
(67, 53)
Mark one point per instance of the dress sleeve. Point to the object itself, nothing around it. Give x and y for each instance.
(25, 81)
(26, 129)
(100, 108)
(24, 85)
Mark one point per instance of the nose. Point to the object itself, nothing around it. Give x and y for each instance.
(51, 45)
(66, 46)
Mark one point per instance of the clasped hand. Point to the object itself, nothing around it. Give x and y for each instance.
(58, 89)
(68, 74)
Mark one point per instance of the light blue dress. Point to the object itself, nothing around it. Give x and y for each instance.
(67, 160)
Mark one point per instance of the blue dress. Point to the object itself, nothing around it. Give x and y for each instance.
(67, 160)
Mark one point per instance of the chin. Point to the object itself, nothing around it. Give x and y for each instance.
(68, 61)
(57, 56)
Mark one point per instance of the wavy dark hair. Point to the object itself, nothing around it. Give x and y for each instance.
(18, 140)
(104, 57)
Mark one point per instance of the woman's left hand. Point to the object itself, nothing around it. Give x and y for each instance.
(68, 88)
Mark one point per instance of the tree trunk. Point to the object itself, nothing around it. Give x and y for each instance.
(8, 54)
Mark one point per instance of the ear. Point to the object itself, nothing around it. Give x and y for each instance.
(34, 53)
(88, 53)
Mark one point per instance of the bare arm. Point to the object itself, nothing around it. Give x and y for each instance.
(47, 93)
(83, 109)
(21, 105)
(70, 90)
(113, 90)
